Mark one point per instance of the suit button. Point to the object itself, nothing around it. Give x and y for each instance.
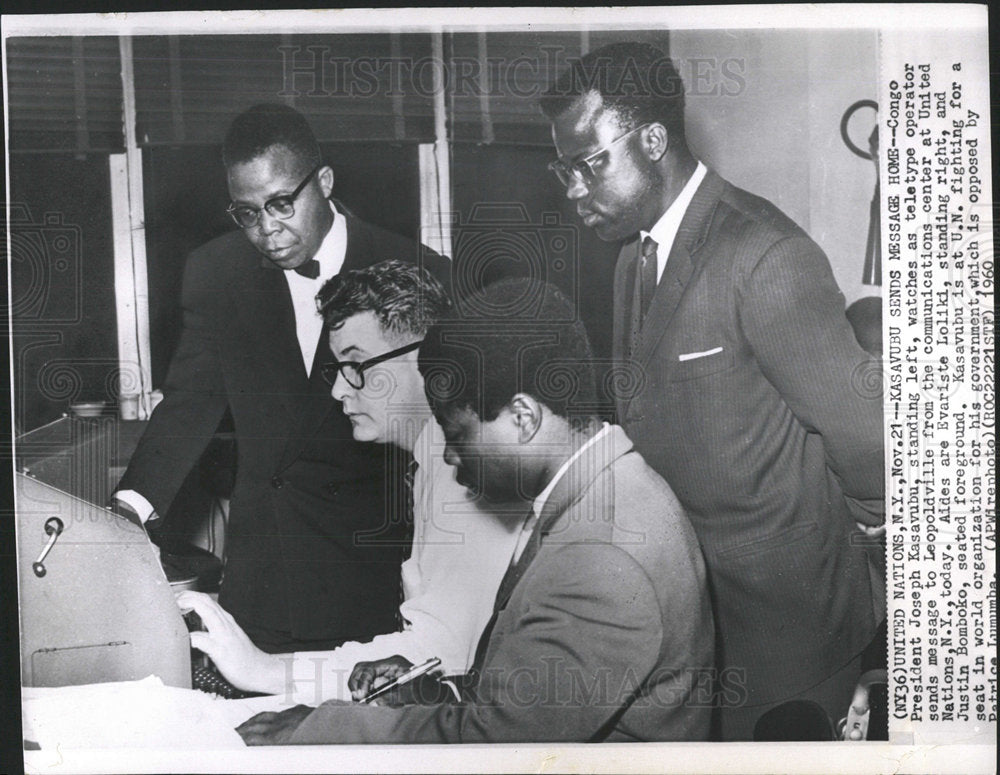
(331, 487)
(277, 482)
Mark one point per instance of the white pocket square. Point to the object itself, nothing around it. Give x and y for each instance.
(693, 356)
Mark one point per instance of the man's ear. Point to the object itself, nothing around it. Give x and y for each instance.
(526, 412)
(325, 176)
(656, 141)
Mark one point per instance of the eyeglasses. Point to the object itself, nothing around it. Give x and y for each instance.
(282, 207)
(354, 373)
(583, 169)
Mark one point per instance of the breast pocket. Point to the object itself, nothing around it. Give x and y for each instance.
(697, 363)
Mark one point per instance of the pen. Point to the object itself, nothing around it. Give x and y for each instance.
(414, 672)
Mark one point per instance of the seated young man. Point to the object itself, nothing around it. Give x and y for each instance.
(602, 627)
(377, 318)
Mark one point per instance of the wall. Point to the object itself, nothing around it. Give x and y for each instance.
(62, 284)
(765, 112)
(507, 195)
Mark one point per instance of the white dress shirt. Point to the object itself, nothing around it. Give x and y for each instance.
(308, 321)
(460, 554)
(664, 231)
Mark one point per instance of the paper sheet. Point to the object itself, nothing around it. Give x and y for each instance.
(130, 714)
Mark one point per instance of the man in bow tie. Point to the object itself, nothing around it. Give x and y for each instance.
(751, 404)
(314, 540)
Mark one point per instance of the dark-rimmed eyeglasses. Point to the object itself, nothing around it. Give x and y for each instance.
(583, 169)
(354, 373)
(283, 207)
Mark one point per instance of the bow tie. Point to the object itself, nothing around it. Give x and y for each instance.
(309, 269)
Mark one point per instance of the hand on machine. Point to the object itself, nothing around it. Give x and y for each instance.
(235, 656)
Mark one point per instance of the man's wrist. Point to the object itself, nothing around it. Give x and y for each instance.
(133, 506)
(122, 509)
(277, 674)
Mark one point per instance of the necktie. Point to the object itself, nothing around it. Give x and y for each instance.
(647, 276)
(642, 291)
(514, 572)
(309, 269)
(408, 479)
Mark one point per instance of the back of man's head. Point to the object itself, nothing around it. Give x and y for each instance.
(265, 126)
(636, 80)
(405, 298)
(516, 336)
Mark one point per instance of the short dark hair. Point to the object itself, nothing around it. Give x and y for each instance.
(637, 81)
(264, 126)
(405, 298)
(482, 360)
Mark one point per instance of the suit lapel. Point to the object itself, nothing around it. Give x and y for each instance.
(265, 311)
(316, 403)
(681, 266)
(668, 295)
(625, 278)
(313, 404)
(359, 252)
(568, 491)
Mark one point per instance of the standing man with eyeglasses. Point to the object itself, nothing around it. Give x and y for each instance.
(751, 407)
(315, 535)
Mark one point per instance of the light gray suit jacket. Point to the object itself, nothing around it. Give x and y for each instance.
(603, 630)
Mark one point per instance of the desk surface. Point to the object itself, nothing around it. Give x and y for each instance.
(136, 714)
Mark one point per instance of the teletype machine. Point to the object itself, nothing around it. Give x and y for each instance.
(95, 602)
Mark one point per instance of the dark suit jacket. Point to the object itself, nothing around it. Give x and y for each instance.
(755, 405)
(603, 629)
(310, 505)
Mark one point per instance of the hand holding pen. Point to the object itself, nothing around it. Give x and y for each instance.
(394, 671)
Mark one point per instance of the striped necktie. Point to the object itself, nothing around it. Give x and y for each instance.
(642, 291)
(408, 479)
(647, 277)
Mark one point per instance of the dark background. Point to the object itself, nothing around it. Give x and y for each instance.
(65, 100)
(65, 107)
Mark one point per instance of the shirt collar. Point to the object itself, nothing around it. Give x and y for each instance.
(664, 231)
(333, 248)
(539, 503)
(430, 438)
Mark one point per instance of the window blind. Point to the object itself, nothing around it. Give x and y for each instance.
(496, 79)
(350, 86)
(64, 94)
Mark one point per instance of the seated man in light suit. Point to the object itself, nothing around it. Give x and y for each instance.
(602, 627)
(377, 317)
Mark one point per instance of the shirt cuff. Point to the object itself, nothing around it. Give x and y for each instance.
(312, 677)
(138, 504)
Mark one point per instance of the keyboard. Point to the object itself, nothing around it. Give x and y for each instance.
(208, 679)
